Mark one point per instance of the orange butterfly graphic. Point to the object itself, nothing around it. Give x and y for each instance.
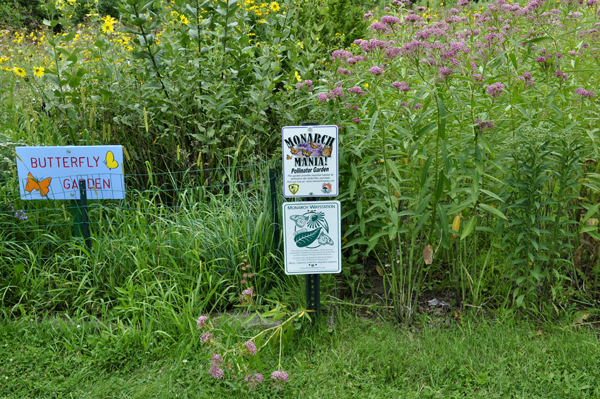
(326, 151)
(41, 186)
(288, 157)
(313, 145)
(294, 151)
(306, 153)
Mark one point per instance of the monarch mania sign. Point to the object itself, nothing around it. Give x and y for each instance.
(54, 172)
(312, 237)
(310, 161)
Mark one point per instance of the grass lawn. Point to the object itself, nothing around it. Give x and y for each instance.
(357, 359)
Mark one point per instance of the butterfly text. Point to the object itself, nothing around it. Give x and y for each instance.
(64, 162)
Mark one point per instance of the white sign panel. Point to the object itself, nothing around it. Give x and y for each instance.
(310, 161)
(54, 172)
(312, 237)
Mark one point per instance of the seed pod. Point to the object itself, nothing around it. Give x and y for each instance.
(455, 226)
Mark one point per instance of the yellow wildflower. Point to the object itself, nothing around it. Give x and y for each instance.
(297, 75)
(184, 20)
(19, 71)
(109, 24)
(275, 6)
(39, 71)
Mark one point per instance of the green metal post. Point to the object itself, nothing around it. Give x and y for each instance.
(85, 224)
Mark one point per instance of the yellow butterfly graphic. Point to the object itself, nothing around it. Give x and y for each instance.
(110, 160)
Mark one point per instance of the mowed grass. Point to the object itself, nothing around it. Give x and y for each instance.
(356, 359)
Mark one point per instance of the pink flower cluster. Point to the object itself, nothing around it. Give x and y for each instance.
(340, 54)
(390, 20)
(401, 86)
(484, 125)
(356, 90)
(335, 93)
(279, 376)
(215, 370)
(495, 90)
(380, 26)
(205, 337)
(561, 75)
(527, 79)
(201, 322)
(584, 93)
(306, 83)
(445, 72)
(251, 347)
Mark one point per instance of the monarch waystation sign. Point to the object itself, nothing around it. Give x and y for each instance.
(312, 237)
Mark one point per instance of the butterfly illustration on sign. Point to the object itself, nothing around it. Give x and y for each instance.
(310, 149)
(43, 186)
(310, 230)
(110, 161)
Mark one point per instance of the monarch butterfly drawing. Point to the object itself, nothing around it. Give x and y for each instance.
(326, 151)
(42, 186)
(306, 153)
(294, 151)
(288, 157)
(313, 145)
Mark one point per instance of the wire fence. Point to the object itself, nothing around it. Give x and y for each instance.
(166, 221)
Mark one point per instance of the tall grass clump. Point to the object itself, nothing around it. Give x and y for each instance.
(172, 251)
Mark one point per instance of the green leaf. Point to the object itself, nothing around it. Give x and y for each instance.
(306, 238)
(587, 229)
(152, 85)
(590, 213)
(469, 228)
(442, 121)
(491, 194)
(373, 121)
(493, 210)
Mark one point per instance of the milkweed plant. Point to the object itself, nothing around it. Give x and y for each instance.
(432, 105)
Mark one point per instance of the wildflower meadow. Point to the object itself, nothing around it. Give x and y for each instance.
(469, 189)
